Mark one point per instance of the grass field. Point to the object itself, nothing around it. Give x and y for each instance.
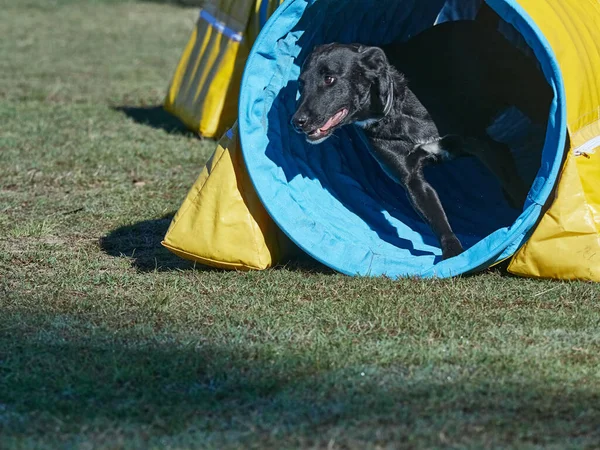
(108, 341)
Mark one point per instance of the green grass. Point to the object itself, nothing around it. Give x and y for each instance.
(108, 341)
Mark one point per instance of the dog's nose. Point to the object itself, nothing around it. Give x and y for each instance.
(299, 121)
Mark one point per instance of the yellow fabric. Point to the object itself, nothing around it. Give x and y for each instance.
(222, 223)
(204, 90)
(566, 242)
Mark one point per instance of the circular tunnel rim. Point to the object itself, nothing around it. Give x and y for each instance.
(516, 234)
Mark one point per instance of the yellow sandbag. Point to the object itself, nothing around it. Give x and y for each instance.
(221, 222)
(566, 243)
(204, 90)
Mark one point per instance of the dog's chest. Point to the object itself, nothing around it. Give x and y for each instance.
(436, 150)
(398, 158)
(407, 138)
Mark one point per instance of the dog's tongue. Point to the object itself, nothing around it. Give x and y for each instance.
(333, 121)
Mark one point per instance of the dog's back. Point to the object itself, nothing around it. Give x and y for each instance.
(465, 74)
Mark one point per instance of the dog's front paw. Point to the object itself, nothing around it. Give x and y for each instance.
(451, 247)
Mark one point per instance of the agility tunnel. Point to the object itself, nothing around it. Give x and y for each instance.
(335, 203)
(204, 90)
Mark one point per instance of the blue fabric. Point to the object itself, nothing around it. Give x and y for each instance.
(333, 200)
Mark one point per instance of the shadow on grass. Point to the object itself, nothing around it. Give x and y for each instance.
(238, 394)
(155, 117)
(141, 243)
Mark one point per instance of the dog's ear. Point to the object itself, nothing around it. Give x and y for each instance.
(375, 66)
(372, 60)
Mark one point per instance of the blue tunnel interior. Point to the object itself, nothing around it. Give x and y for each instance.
(334, 201)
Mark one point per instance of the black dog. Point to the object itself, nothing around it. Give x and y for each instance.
(424, 101)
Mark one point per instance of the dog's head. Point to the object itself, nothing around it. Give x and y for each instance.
(342, 84)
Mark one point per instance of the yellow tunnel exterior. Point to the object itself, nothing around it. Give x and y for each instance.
(566, 242)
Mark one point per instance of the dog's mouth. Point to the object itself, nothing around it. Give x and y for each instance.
(326, 130)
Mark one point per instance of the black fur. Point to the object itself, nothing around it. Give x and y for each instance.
(422, 101)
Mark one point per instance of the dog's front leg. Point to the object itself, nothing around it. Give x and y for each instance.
(427, 203)
(407, 163)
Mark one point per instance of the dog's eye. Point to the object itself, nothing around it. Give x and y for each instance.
(329, 80)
